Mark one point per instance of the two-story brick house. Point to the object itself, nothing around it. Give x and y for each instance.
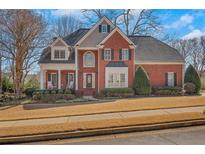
(89, 60)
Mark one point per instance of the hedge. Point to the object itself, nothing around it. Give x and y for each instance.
(141, 83)
(118, 92)
(167, 91)
(192, 76)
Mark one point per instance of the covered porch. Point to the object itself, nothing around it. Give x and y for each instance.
(57, 77)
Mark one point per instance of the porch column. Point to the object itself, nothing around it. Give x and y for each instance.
(41, 79)
(59, 79)
(76, 68)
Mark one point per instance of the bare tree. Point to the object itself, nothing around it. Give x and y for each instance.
(132, 22)
(193, 51)
(93, 15)
(65, 25)
(24, 35)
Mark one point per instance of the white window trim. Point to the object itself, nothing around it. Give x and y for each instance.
(67, 53)
(110, 54)
(170, 73)
(84, 59)
(116, 70)
(104, 25)
(125, 49)
(51, 80)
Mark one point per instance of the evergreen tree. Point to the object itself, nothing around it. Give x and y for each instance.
(192, 76)
(141, 83)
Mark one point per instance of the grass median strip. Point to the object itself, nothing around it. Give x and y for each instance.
(97, 124)
(124, 105)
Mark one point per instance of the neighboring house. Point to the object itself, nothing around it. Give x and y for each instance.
(90, 60)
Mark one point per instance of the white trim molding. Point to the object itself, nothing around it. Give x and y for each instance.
(56, 66)
(59, 39)
(158, 63)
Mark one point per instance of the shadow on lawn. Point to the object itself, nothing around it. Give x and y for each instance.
(35, 106)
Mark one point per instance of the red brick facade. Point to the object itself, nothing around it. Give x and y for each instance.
(82, 69)
(116, 42)
(156, 73)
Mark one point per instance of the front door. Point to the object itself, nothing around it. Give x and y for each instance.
(70, 84)
(88, 80)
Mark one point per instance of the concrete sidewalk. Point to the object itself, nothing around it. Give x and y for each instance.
(95, 117)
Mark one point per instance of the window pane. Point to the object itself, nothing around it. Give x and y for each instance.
(89, 59)
(104, 28)
(62, 54)
(170, 79)
(125, 54)
(56, 54)
(122, 80)
(107, 54)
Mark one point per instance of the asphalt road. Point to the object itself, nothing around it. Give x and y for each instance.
(182, 136)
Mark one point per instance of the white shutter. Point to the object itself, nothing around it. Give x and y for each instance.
(93, 80)
(84, 80)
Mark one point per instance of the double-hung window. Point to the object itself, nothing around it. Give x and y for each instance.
(59, 54)
(116, 80)
(107, 54)
(104, 29)
(170, 79)
(125, 54)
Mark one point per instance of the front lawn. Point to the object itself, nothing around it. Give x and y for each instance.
(99, 124)
(121, 105)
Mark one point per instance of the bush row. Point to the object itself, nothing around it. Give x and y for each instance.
(32, 91)
(45, 98)
(117, 92)
(167, 91)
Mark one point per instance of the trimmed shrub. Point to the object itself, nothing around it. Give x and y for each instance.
(189, 88)
(141, 83)
(29, 91)
(192, 76)
(118, 92)
(48, 98)
(167, 91)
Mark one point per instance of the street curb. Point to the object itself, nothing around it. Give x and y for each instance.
(95, 132)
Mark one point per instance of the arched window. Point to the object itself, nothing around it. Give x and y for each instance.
(89, 59)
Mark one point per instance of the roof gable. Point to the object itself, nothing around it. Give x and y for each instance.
(59, 42)
(121, 33)
(93, 37)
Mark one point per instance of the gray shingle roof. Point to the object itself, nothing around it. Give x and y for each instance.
(71, 39)
(149, 49)
(116, 64)
(46, 57)
(74, 37)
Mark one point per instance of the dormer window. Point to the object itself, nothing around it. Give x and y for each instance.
(59, 54)
(104, 28)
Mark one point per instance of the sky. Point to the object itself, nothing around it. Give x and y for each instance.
(183, 24)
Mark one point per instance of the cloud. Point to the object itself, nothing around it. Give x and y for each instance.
(62, 12)
(182, 22)
(194, 34)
